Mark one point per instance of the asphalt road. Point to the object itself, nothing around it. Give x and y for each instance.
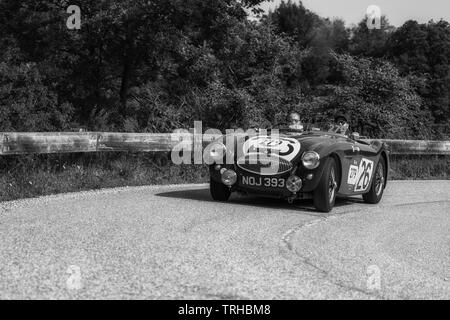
(168, 242)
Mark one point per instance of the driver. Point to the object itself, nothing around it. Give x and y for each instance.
(295, 122)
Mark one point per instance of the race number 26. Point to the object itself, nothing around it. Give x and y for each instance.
(364, 175)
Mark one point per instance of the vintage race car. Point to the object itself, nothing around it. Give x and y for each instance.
(299, 165)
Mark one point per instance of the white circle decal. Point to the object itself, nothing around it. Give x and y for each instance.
(286, 148)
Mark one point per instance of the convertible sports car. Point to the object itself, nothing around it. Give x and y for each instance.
(299, 165)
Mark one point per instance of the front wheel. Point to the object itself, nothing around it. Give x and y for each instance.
(325, 193)
(377, 187)
(219, 191)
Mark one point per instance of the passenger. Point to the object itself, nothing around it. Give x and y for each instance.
(341, 125)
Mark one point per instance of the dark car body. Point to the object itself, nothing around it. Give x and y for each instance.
(356, 161)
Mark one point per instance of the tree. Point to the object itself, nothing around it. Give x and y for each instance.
(370, 43)
(378, 99)
(26, 103)
(296, 21)
(332, 34)
(120, 44)
(408, 47)
(423, 51)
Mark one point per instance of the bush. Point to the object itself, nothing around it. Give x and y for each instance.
(378, 100)
(26, 104)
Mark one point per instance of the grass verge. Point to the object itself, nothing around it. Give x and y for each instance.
(37, 175)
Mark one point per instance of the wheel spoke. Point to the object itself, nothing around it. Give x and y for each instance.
(331, 185)
(379, 182)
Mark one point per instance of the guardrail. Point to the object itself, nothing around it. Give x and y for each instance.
(16, 143)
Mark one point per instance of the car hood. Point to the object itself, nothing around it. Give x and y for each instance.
(291, 147)
(319, 143)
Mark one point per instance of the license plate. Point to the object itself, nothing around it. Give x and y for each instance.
(263, 182)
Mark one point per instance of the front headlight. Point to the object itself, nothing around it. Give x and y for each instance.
(311, 160)
(216, 152)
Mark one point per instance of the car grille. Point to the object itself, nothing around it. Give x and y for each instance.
(264, 165)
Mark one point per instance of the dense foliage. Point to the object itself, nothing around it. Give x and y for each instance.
(153, 66)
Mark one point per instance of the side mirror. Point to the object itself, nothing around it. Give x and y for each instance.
(355, 136)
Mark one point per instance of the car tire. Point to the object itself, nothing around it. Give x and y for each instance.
(325, 193)
(378, 183)
(219, 191)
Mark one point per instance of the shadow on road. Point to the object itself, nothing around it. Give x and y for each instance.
(306, 206)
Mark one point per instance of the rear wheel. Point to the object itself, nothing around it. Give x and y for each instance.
(219, 191)
(377, 187)
(325, 193)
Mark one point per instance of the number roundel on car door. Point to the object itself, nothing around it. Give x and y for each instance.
(363, 175)
(285, 148)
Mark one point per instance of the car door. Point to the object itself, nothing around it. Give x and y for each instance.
(363, 168)
(350, 167)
